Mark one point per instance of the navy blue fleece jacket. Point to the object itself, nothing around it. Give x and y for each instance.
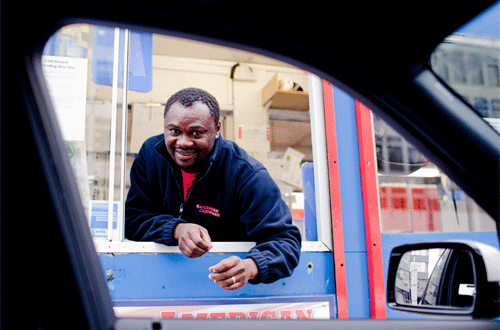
(235, 199)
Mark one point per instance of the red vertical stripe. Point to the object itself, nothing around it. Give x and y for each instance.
(338, 232)
(371, 212)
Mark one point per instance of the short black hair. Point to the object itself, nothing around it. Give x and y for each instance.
(187, 96)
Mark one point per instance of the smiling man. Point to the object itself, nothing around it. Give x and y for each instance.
(190, 187)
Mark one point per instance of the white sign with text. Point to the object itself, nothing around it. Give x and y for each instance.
(67, 81)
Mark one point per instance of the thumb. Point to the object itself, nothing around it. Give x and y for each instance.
(206, 237)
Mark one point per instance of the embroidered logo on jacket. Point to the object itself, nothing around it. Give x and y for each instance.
(208, 210)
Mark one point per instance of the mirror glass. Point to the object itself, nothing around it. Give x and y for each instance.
(436, 277)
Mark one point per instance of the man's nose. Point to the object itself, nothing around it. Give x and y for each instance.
(184, 141)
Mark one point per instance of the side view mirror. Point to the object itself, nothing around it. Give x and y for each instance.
(451, 279)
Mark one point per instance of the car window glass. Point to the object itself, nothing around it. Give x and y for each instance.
(468, 61)
(415, 195)
(104, 128)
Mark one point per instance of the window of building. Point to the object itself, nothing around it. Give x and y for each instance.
(415, 196)
(109, 87)
(468, 61)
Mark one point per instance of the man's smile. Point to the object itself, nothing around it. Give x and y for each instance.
(184, 153)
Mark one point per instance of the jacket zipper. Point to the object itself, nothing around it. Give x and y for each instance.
(181, 208)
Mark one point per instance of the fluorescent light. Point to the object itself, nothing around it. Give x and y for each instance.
(425, 173)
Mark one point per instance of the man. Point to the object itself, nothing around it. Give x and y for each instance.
(190, 187)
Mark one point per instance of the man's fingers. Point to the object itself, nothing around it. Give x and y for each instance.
(225, 264)
(192, 249)
(194, 240)
(187, 247)
(232, 283)
(233, 273)
(230, 286)
(203, 241)
(206, 238)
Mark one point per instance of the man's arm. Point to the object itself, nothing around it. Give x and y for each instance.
(143, 219)
(268, 222)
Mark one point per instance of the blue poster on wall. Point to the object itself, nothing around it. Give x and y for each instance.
(140, 59)
(99, 218)
(99, 214)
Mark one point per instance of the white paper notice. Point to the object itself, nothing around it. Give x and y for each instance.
(67, 81)
(254, 133)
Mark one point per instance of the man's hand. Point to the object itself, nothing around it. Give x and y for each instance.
(233, 273)
(194, 240)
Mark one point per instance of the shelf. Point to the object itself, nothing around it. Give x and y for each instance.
(276, 98)
(290, 100)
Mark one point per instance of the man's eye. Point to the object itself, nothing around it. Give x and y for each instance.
(174, 131)
(197, 133)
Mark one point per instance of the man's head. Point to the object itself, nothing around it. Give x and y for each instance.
(188, 96)
(191, 126)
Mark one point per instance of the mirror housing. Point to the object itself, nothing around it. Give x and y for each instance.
(484, 293)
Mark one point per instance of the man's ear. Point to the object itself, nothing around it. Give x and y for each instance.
(217, 130)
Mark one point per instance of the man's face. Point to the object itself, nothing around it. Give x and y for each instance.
(190, 134)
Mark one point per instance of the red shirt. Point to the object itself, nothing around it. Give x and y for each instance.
(187, 182)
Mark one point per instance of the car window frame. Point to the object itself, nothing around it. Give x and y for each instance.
(40, 117)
